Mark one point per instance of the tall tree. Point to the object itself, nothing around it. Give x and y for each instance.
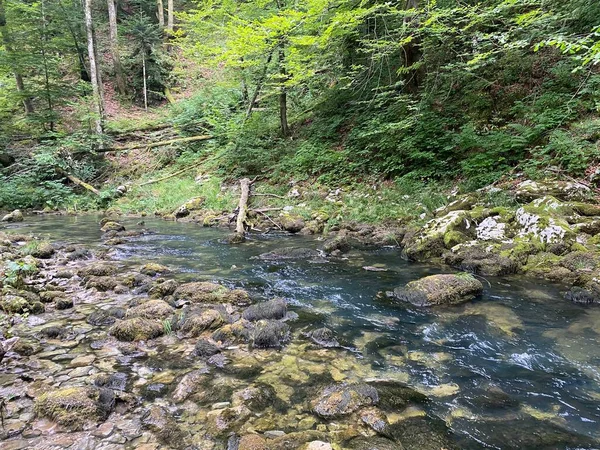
(8, 45)
(170, 21)
(94, 69)
(161, 13)
(114, 48)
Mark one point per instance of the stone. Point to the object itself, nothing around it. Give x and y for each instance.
(151, 309)
(205, 292)
(82, 361)
(73, 407)
(324, 337)
(152, 269)
(290, 253)
(445, 289)
(270, 334)
(189, 383)
(256, 397)
(252, 442)
(112, 226)
(318, 445)
(205, 348)
(291, 222)
(272, 309)
(339, 400)
(374, 419)
(98, 270)
(158, 420)
(338, 243)
(15, 216)
(63, 303)
(137, 329)
(206, 320)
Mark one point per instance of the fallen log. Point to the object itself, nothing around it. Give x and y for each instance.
(203, 137)
(243, 206)
(78, 181)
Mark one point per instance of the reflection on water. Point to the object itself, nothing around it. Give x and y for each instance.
(520, 355)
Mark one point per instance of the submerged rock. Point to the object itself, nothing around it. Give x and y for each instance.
(290, 253)
(189, 383)
(270, 334)
(98, 270)
(152, 269)
(73, 407)
(160, 421)
(394, 395)
(205, 292)
(445, 289)
(112, 226)
(324, 337)
(137, 329)
(257, 397)
(205, 348)
(583, 296)
(272, 309)
(251, 442)
(340, 400)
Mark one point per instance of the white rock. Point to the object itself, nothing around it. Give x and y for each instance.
(318, 445)
(491, 229)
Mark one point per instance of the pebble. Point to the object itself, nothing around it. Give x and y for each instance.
(272, 434)
(319, 445)
(80, 372)
(82, 361)
(220, 405)
(104, 430)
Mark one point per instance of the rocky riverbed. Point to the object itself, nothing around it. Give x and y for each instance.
(115, 354)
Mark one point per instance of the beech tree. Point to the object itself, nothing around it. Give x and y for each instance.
(95, 76)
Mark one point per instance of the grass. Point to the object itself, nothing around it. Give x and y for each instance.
(166, 196)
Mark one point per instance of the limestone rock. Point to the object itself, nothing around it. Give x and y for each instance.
(340, 400)
(445, 289)
(137, 329)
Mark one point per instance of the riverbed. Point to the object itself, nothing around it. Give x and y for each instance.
(517, 368)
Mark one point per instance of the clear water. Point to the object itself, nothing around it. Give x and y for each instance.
(521, 336)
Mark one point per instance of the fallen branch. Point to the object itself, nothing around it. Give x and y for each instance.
(243, 206)
(269, 219)
(268, 195)
(78, 181)
(174, 174)
(262, 210)
(203, 137)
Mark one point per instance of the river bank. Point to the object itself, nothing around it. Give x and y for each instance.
(95, 328)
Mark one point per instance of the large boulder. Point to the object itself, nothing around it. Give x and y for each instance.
(270, 334)
(272, 309)
(137, 329)
(15, 216)
(529, 190)
(206, 292)
(343, 399)
(208, 319)
(74, 407)
(481, 260)
(444, 289)
(291, 222)
(152, 309)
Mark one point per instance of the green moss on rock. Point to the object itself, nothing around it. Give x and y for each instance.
(137, 329)
(74, 407)
(445, 289)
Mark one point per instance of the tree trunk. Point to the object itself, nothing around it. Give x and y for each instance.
(412, 54)
(43, 42)
(8, 44)
(161, 13)
(170, 17)
(145, 87)
(83, 72)
(285, 129)
(114, 48)
(94, 73)
(258, 88)
(243, 206)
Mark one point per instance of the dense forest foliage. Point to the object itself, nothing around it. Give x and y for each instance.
(337, 91)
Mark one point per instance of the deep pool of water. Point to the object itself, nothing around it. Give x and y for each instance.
(521, 337)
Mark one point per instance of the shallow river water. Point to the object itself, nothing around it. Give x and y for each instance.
(521, 338)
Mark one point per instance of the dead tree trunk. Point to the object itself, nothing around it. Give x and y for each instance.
(94, 72)
(161, 14)
(243, 206)
(114, 48)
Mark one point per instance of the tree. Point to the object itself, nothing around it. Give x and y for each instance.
(114, 48)
(95, 76)
(161, 14)
(8, 44)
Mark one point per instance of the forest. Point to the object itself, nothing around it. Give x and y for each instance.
(408, 94)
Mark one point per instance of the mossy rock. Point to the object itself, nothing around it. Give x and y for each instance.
(291, 222)
(487, 261)
(151, 309)
(74, 407)
(152, 269)
(209, 319)
(272, 309)
(541, 263)
(237, 332)
(112, 226)
(98, 270)
(102, 284)
(38, 249)
(270, 334)
(205, 292)
(445, 289)
(452, 238)
(15, 305)
(586, 209)
(581, 261)
(137, 329)
(343, 399)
